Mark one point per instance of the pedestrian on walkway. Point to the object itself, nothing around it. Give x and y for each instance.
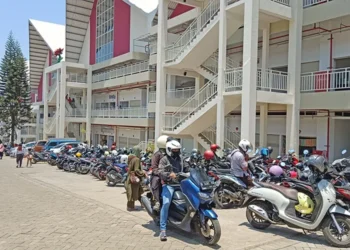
(2, 149)
(29, 156)
(133, 183)
(19, 155)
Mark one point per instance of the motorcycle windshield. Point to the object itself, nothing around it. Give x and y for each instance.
(201, 179)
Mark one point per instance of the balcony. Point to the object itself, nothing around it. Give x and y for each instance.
(327, 89)
(136, 117)
(76, 113)
(76, 80)
(310, 3)
(138, 72)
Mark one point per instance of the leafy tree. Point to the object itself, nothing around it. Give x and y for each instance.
(15, 104)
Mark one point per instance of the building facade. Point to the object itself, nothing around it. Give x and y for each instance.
(274, 72)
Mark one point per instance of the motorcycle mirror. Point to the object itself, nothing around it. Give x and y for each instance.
(306, 152)
(279, 157)
(344, 152)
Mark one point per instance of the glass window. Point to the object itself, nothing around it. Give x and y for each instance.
(104, 34)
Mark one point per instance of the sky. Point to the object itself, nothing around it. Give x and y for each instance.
(15, 15)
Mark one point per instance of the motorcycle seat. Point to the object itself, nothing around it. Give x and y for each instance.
(287, 192)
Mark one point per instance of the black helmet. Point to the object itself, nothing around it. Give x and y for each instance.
(317, 163)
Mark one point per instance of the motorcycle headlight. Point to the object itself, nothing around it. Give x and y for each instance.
(205, 196)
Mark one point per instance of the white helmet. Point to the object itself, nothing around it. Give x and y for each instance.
(99, 146)
(245, 146)
(161, 141)
(105, 147)
(172, 145)
(114, 152)
(124, 159)
(106, 153)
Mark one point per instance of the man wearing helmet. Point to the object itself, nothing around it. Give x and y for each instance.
(156, 185)
(169, 165)
(239, 165)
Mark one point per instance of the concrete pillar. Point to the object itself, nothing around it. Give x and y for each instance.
(220, 113)
(250, 59)
(58, 104)
(88, 105)
(83, 102)
(263, 125)
(37, 137)
(265, 48)
(115, 133)
(161, 72)
(46, 106)
(62, 102)
(294, 70)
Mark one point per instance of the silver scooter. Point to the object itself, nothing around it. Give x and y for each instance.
(272, 204)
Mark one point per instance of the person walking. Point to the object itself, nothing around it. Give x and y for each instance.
(19, 155)
(133, 183)
(29, 156)
(2, 149)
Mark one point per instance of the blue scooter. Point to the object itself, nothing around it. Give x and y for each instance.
(191, 206)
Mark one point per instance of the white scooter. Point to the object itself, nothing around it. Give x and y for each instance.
(272, 204)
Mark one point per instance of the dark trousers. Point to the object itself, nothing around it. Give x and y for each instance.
(1, 155)
(19, 160)
(247, 180)
(156, 187)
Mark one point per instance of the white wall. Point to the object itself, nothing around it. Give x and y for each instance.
(129, 95)
(138, 26)
(130, 133)
(341, 137)
(85, 51)
(104, 97)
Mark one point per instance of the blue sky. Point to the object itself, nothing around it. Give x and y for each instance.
(15, 15)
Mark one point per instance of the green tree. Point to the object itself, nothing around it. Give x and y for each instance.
(15, 104)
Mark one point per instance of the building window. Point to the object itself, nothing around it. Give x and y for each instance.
(104, 36)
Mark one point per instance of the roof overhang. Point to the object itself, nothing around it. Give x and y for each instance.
(77, 21)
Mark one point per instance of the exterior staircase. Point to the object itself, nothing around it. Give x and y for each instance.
(52, 91)
(199, 111)
(200, 39)
(231, 138)
(51, 125)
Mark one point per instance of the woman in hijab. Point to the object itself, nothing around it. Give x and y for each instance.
(133, 183)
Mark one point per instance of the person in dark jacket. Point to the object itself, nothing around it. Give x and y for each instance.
(156, 185)
(169, 166)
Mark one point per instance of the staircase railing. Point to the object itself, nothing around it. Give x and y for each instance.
(212, 62)
(231, 138)
(52, 90)
(191, 106)
(196, 27)
(51, 123)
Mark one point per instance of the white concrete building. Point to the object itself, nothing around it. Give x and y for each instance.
(272, 71)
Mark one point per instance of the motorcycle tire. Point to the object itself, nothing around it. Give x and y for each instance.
(218, 199)
(253, 219)
(215, 226)
(60, 167)
(109, 182)
(34, 161)
(331, 234)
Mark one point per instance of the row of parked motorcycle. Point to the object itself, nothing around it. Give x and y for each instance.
(286, 190)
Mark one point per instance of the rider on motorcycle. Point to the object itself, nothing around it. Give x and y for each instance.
(156, 185)
(169, 165)
(214, 148)
(238, 160)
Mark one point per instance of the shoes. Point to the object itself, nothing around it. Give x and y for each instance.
(156, 207)
(162, 236)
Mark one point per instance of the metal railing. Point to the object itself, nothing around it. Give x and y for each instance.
(181, 93)
(310, 3)
(152, 97)
(152, 48)
(284, 2)
(328, 80)
(229, 2)
(141, 112)
(212, 62)
(196, 27)
(191, 106)
(123, 71)
(76, 77)
(272, 80)
(231, 138)
(52, 89)
(51, 123)
(234, 80)
(28, 130)
(77, 113)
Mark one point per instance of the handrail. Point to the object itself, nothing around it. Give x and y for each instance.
(310, 3)
(76, 77)
(175, 49)
(198, 100)
(52, 90)
(140, 112)
(51, 123)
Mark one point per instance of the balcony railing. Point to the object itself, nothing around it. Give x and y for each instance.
(152, 96)
(328, 80)
(141, 112)
(123, 71)
(272, 80)
(234, 80)
(76, 77)
(284, 2)
(310, 3)
(183, 93)
(28, 130)
(77, 113)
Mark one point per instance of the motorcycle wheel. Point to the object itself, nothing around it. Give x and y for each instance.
(331, 233)
(212, 231)
(59, 166)
(111, 183)
(34, 161)
(256, 221)
(219, 199)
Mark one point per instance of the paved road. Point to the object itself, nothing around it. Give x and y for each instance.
(44, 208)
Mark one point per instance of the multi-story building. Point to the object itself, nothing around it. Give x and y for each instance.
(272, 71)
